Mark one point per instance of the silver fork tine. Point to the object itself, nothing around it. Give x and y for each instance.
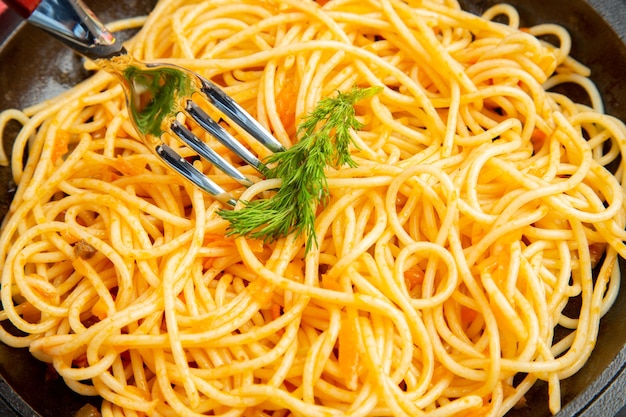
(222, 135)
(235, 113)
(207, 153)
(238, 115)
(187, 170)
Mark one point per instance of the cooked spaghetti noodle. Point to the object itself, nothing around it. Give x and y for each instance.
(480, 206)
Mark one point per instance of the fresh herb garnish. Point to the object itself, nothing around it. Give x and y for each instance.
(324, 140)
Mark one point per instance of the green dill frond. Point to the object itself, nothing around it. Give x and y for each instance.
(324, 140)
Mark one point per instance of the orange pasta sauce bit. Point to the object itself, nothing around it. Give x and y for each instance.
(349, 352)
(414, 278)
(286, 106)
(61, 142)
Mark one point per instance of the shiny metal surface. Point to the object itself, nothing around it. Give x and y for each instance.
(231, 109)
(72, 23)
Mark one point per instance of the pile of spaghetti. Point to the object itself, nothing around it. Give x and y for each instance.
(481, 204)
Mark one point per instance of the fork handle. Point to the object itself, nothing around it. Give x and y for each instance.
(23, 7)
(72, 23)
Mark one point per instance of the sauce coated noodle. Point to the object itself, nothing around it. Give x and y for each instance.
(479, 207)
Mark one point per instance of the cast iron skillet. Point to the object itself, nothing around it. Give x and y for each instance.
(34, 67)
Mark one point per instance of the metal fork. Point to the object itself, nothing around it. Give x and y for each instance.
(156, 93)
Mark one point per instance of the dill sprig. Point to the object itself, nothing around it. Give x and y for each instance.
(324, 140)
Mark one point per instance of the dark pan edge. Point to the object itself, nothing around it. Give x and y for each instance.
(606, 396)
(614, 13)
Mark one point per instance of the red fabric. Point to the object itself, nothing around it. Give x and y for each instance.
(22, 7)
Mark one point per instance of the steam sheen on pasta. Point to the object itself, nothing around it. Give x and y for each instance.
(480, 206)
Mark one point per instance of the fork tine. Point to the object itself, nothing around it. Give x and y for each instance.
(222, 135)
(187, 170)
(207, 153)
(238, 115)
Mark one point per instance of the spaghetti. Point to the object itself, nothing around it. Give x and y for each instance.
(480, 206)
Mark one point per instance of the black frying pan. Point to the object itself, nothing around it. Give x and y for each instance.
(33, 67)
